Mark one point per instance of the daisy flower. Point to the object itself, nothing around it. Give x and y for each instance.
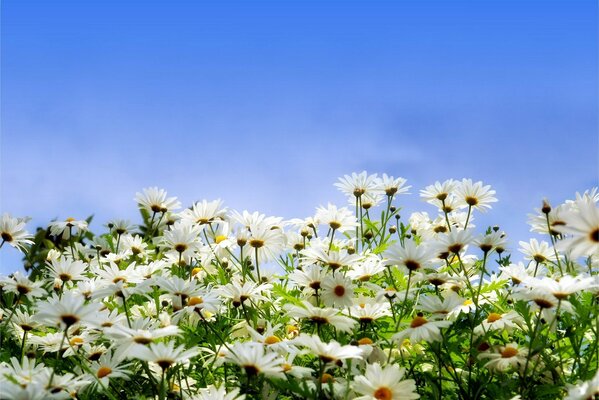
(154, 200)
(438, 192)
(163, 354)
(355, 185)
(386, 383)
(218, 393)
(338, 219)
(538, 251)
(367, 312)
(21, 285)
(205, 212)
(328, 352)
(475, 195)
(65, 269)
(66, 310)
(582, 228)
(182, 238)
(505, 357)
(142, 332)
(321, 316)
(13, 232)
(266, 243)
(310, 276)
(585, 390)
(366, 269)
(254, 359)
(422, 329)
(110, 366)
(332, 259)
(411, 256)
(67, 227)
(500, 322)
(337, 291)
(392, 186)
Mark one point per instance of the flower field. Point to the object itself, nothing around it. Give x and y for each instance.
(358, 301)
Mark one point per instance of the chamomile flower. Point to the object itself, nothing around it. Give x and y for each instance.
(154, 200)
(391, 186)
(331, 259)
(330, 352)
(585, 390)
(500, 322)
(67, 310)
(355, 185)
(164, 354)
(411, 256)
(422, 329)
(21, 285)
(386, 383)
(183, 239)
(65, 269)
(538, 251)
(254, 359)
(205, 212)
(438, 192)
(218, 393)
(110, 366)
(13, 232)
(582, 228)
(475, 195)
(321, 316)
(509, 356)
(337, 291)
(338, 219)
(68, 227)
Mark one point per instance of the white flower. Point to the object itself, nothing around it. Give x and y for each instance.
(66, 310)
(582, 226)
(328, 352)
(254, 359)
(422, 329)
(321, 316)
(475, 195)
(337, 291)
(510, 355)
(213, 393)
(154, 200)
(339, 219)
(585, 390)
(163, 354)
(67, 227)
(379, 383)
(13, 232)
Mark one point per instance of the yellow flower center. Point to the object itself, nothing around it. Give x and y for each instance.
(418, 321)
(103, 371)
(326, 378)
(195, 271)
(194, 301)
(493, 317)
(509, 352)
(219, 238)
(70, 219)
(467, 302)
(286, 367)
(383, 393)
(365, 341)
(272, 340)
(76, 341)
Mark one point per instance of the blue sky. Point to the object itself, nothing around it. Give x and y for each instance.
(266, 104)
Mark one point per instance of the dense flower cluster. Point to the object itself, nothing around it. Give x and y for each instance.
(210, 303)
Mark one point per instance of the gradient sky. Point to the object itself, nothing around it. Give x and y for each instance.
(266, 104)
